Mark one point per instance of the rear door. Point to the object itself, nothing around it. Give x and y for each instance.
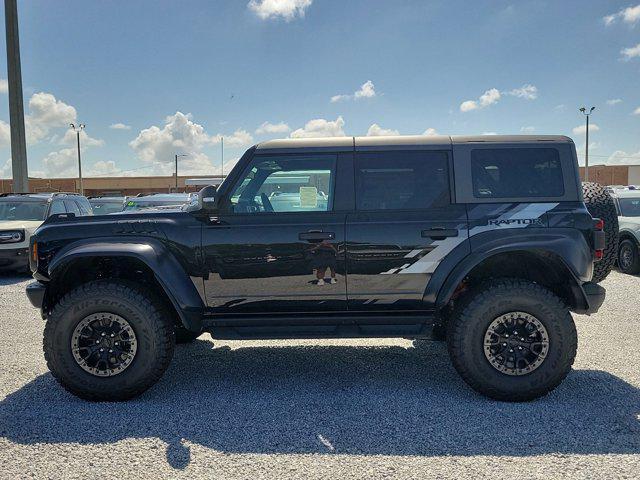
(404, 225)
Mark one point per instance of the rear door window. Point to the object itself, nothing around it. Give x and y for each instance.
(402, 180)
(516, 172)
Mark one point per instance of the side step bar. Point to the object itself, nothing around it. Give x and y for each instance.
(406, 326)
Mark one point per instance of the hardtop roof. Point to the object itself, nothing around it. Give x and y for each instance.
(405, 140)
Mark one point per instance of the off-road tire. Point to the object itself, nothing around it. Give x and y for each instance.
(601, 205)
(185, 336)
(468, 324)
(632, 266)
(145, 314)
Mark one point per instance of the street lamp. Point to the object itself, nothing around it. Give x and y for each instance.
(182, 155)
(586, 148)
(78, 128)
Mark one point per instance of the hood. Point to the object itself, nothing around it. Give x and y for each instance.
(629, 222)
(29, 225)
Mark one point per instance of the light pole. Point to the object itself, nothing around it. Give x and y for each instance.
(586, 148)
(78, 128)
(182, 155)
(221, 159)
(16, 107)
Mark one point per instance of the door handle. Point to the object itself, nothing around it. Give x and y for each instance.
(439, 233)
(316, 235)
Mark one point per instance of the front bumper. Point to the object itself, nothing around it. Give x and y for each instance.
(594, 295)
(12, 258)
(35, 293)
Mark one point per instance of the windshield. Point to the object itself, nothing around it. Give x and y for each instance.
(629, 207)
(105, 208)
(22, 210)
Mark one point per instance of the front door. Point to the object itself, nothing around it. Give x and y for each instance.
(278, 245)
(405, 224)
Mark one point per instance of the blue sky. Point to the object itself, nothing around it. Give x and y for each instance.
(178, 75)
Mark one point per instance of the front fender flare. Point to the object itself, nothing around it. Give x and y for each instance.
(168, 271)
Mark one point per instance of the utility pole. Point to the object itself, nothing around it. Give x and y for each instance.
(184, 155)
(586, 148)
(222, 159)
(79, 129)
(16, 106)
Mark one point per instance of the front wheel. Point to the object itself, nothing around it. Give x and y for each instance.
(629, 257)
(108, 341)
(512, 340)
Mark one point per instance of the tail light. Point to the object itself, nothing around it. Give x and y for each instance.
(598, 239)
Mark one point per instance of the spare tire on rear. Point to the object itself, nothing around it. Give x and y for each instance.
(601, 205)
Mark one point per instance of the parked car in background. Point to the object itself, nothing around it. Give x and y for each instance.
(21, 214)
(176, 200)
(628, 206)
(106, 205)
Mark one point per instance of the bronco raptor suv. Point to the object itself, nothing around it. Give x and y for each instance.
(484, 240)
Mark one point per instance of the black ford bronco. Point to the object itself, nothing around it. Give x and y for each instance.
(484, 241)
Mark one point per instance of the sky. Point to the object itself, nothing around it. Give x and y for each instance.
(151, 79)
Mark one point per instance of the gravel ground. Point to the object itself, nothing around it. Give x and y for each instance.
(324, 409)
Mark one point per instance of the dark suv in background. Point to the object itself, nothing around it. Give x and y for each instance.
(484, 240)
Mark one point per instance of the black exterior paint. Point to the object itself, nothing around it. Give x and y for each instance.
(242, 272)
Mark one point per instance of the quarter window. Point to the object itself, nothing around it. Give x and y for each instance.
(516, 172)
(402, 180)
(288, 183)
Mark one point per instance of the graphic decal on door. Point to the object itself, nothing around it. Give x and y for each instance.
(483, 218)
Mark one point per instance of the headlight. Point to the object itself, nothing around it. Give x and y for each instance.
(11, 236)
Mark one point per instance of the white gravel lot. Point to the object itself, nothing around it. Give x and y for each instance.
(324, 409)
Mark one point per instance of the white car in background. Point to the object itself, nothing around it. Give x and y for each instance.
(628, 206)
(22, 213)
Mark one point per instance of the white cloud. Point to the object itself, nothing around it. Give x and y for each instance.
(620, 157)
(62, 163)
(526, 91)
(376, 130)
(614, 101)
(5, 171)
(269, 128)
(560, 108)
(629, 15)
(156, 146)
(4, 85)
(239, 138)
(430, 131)
(636, 111)
(69, 138)
(489, 133)
(104, 168)
(528, 129)
(582, 129)
(45, 113)
(631, 52)
(5, 134)
(286, 9)
(119, 126)
(468, 105)
(489, 97)
(366, 90)
(320, 127)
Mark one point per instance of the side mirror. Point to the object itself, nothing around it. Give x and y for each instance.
(207, 198)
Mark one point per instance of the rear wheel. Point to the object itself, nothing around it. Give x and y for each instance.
(628, 257)
(108, 341)
(600, 205)
(512, 340)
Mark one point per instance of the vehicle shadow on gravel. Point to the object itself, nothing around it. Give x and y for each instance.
(332, 399)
